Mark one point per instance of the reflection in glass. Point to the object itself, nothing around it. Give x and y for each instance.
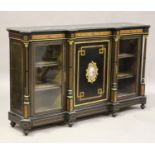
(47, 99)
(48, 75)
(47, 53)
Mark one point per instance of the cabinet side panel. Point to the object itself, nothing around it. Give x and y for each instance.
(16, 76)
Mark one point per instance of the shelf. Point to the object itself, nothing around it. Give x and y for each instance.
(125, 75)
(46, 64)
(126, 55)
(124, 93)
(41, 87)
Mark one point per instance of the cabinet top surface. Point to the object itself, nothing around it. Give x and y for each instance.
(72, 28)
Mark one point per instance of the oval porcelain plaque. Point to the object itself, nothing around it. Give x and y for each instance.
(92, 72)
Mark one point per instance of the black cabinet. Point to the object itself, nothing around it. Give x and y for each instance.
(59, 74)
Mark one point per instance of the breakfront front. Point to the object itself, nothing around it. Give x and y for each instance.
(62, 73)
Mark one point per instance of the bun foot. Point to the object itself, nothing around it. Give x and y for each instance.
(142, 106)
(12, 124)
(70, 124)
(115, 109)
(26, 132)
(114, 114)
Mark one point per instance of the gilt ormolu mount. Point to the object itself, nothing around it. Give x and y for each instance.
(62, 73)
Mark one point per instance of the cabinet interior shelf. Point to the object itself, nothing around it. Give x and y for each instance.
(125, 75)
(46, 64)
(41, 87)
(126, 55)
(124, 93)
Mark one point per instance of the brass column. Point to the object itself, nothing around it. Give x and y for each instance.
(70, 104)
(115, 68)
(142, 88)
(26, 109)
(71, 115)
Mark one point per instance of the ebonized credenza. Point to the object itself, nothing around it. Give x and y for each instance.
(62, 73)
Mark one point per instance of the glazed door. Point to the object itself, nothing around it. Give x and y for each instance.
(92, 72)
(129, 66)
(48, 62)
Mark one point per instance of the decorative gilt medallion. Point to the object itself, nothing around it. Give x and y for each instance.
(92, 72)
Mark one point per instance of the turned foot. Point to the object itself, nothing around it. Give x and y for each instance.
(70, 124)
(71, 117)
(114, 114)
(12, 124)
(115, 109)
(26, 132)
(142, 106)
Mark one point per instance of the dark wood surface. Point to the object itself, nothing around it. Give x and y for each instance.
(73, 28)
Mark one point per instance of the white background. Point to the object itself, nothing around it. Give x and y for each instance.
(131, 125)
(78, 148)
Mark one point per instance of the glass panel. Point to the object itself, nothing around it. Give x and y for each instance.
(127, 75)
(47, 99)
(126, 87)
(128, 66)
(129, 46)
(48, 70)
(48, 75)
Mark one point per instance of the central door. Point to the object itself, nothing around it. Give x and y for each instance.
(92, 72)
